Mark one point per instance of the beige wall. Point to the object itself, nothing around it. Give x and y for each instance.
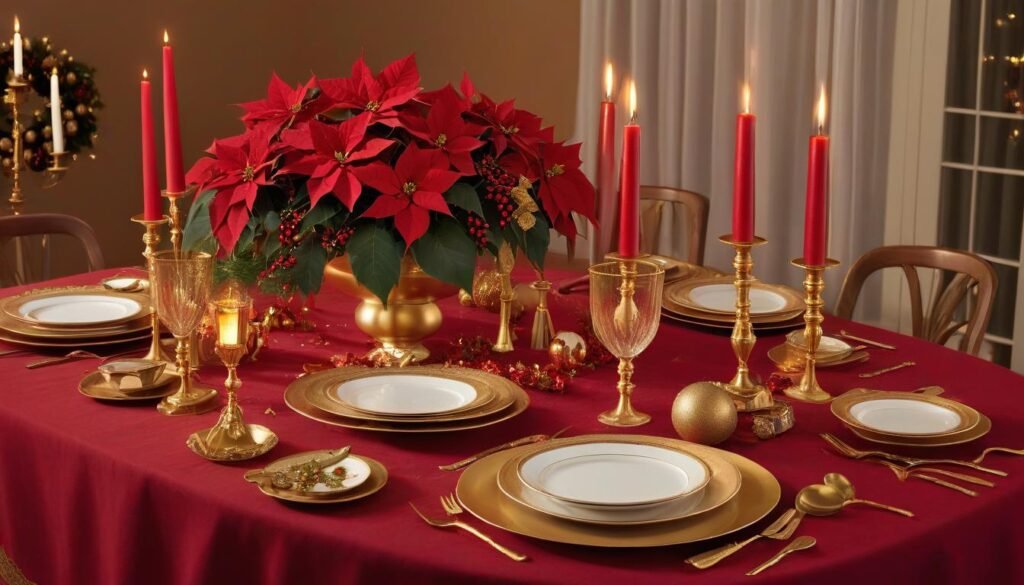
(226, 49)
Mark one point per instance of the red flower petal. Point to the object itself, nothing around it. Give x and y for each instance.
(379, 176)
(412, 223)
(386, 205)
(432, 201)
(438, 180)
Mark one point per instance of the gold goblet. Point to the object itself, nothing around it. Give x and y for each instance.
(625, 305)
(180, 286)
(231, 439)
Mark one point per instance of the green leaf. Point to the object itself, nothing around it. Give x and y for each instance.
(197, 226)
(325, 209)
(447, 253)
(308, 273)
(464, 196)
(376, 257)
(272, 221)
(536, 240)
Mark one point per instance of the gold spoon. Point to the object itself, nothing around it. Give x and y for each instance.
(801, 543)
(837, 493)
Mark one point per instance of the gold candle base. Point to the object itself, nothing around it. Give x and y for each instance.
(506, 262)
(543, 326)
(189, 398)
(59, 166)
(747, 394)
(624, 415)
(151, 239)
(808, 389)
(174, 212)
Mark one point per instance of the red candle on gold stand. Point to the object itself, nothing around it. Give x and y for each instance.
(743, 177)
(816, 212)
(152, 208)
(629, 190)
(605, 171)
(172, 130)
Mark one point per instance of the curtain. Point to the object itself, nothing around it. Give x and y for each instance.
(690, 59)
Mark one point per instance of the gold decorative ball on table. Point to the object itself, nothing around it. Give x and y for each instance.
(704, 413)
(567, 350)
(487, 290)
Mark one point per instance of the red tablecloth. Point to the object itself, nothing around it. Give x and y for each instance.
(95, 493)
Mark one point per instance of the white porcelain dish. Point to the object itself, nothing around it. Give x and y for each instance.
(894, 415)
(406, 394)
(79, 309)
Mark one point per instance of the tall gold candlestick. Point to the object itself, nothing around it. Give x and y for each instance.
(506, 261)
(747, 394)
(174, 211)
(17, 90)
(151, 238)
(808, 389)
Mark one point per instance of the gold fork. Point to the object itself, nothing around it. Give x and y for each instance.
(907, 462)
(903, 474)
(981, 457)
(78, 354)
(454, 523)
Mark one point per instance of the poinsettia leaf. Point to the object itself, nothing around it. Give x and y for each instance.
(246, 239)
(464, 196)
(447, 253)
(197, 225)
(324, 210)
(272, 221)
(376, 256)
(308, 272)
(536, 240)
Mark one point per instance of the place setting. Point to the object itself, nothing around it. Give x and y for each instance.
(711, 302)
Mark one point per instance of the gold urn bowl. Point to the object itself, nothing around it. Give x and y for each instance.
(411, 314)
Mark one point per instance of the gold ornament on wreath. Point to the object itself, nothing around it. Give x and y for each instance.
(79, 101)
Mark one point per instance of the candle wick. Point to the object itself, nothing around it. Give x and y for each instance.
(632, 118)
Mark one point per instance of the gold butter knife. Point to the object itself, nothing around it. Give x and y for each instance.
(878, 344)
(708, 559)
(510, 445)
(898, 366)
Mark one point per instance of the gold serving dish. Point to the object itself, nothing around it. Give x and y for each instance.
(94, 386)
(132, 375)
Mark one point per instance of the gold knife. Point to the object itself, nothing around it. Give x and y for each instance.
(510, 445)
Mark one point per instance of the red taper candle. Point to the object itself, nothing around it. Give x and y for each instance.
(172, 131)
(816, 212)
(743, 177)
(629, 189)
(152, 207)
(605, 171)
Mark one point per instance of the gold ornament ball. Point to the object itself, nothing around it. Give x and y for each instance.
(703, 413)
(71, 78)
(7, 163)
(6, 144)
(47, 132)
(68, 114)
(567, 350)
(48, 62)
(31, 136)
(37, 114)
(81, 110)
(71, 128)
(487, 290)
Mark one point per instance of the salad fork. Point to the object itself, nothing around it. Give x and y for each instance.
(452, 508)
(981, 457)
(907, 462)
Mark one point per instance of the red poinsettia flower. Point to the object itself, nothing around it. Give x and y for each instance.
(468, 92)
(236, 172)
(563, 186)
(398, 83)
(511, 126)
(410, 190)
(283, 105)
(445, 129)
(334, 148)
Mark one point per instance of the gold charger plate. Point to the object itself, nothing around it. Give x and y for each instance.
(488, 399)
(978, 431)
(724, 478)
(9, 305)
(296, 397)
(679, 294)
(728, 326)
(729, 318)
(94, 386)
(9, 337)
(781, 356)
(478, 492)
(840, 407)
(377, 480)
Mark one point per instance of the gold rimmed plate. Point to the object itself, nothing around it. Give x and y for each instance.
(378, 478)
(682, 310)
(478, 492)
(978, 431)
(76, 343)
(94, 386)
(718, 296)
(74, 307)
(421, 393)
(296, 396)
(322, 398)
(728, 325)
(787, 358)
(901, 415)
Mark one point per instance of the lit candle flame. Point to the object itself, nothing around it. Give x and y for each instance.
(54, 72)
(145, 74)
(821, 111)
(746, 98)
(167, 39)
(17, 25)
(632, 102)
(609, 79)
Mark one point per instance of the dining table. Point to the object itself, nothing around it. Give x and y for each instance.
(94, 492)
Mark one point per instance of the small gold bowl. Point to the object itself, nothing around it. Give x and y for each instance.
(132, 375)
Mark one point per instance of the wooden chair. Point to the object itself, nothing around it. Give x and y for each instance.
(653, 200)
(22, 228)
(970, 272)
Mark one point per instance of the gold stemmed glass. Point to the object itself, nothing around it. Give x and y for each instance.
(625, 305)
(180, 283)
(231, 439)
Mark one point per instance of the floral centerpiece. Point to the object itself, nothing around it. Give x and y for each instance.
(373, 167)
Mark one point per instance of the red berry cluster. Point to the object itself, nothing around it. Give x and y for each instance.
(289, 228)
(478, 230)
(335, 239)
(499, 184)
(282, 262)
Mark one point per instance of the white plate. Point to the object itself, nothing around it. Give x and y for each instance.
(827, 346)
(405, 394)
(721, 298)
(356, 473)
(79, 309)
(893, 415)
(614, 474)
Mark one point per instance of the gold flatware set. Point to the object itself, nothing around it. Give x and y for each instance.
(530, 440)
(907, 462)
(453, 509)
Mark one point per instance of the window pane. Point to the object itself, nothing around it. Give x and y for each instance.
(1001, 354)
(962, 66)
(1006, 299)
(998, 215)
(1002, 143)
(954, 208)
(1002, 85)
(958, 139)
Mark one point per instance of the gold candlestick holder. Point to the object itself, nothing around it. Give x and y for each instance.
(174, 211)
(17, 91)
(506, 262)
(808, 389)
(151, 238)
(58, 164)
(543, 326)
(231, 439)
(745, 392)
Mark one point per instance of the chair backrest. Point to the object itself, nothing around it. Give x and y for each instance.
(694, 205)
(970, 273)
(20, 227)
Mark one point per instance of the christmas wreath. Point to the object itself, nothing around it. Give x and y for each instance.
(79, 101)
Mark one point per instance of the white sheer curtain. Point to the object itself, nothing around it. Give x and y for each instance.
(690, 58)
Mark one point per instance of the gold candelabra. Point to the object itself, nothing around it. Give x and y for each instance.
(151, 238)
(16, 94)
(543, 326)
(745, 392)
(506, 261)
(808, 389)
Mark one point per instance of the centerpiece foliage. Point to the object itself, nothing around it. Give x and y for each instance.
(374, 167)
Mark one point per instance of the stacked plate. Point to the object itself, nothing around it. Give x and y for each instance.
(831, 352)
(74, 317)
(361, 475)
(711, 302)
(416, 399)
(618, 491)
(909, 419)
